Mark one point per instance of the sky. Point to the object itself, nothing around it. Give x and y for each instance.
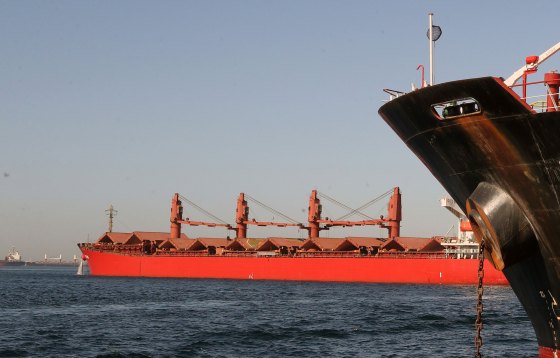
(125, 103)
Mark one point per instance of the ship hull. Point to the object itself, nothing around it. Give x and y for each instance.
(4, 263)
(333, 269)
(52, 264)
(501, 165)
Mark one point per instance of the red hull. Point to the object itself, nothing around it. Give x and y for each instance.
(339, 269)
(545, 352)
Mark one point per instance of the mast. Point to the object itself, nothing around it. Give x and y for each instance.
(112, 213)
(176, 217)
(314, 215)
(394, 212)
(241, 217)
(177, 220)
(430, 39)
(434, 33)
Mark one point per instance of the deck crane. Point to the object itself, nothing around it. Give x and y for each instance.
(176, 218)
(315, 221)
(465, 233)
(391, 222)
(242, 217)
(531, 65)
(551, 78)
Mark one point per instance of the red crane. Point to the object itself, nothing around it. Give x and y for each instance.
(391, 222)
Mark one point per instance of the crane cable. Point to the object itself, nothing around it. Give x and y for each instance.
(271, 209)
(366, 205)
(334, 201)
(203, 211)
(358, 210)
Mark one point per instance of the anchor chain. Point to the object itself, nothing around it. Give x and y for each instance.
(479, 306)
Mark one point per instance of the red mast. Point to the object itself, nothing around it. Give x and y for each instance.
(241, 217)
(176, 217)
(314, 215)
(394, 212)
(392, 222)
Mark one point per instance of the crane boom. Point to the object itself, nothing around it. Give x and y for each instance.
(452, 206)
(511, 80)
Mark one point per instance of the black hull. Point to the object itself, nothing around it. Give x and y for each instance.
(501, 165)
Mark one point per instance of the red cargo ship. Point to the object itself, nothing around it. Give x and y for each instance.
(393, 259)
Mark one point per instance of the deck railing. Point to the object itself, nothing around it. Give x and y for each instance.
(138, 249)
(541, 102)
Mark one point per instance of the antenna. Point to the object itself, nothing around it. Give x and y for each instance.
(112, 213)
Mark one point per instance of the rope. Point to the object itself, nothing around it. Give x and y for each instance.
(202, 210)
(358, 210)
(334, 201)
(368, 204)
(271, 209)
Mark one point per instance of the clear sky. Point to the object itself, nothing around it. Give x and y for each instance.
(128, 102)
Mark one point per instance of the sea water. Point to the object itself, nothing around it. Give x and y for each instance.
(51, 312)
